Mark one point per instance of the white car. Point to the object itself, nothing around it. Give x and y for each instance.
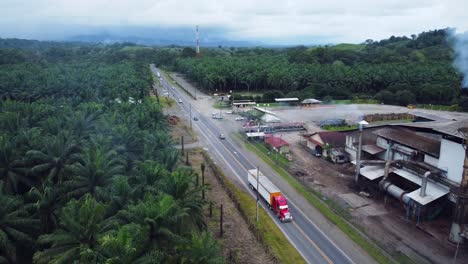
(180, 101)
(222, 136)
(228, 112)
(239, 118)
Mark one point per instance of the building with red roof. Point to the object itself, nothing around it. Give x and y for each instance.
(277, 144)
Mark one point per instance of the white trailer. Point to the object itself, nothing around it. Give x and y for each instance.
(266, 188)
(270, 193)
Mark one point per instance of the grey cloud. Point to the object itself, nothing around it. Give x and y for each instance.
(282, 21)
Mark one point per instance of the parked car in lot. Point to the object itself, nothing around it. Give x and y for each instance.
(222, 136)
(239, 118)
(228, 112)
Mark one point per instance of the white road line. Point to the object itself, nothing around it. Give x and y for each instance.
(246, 186)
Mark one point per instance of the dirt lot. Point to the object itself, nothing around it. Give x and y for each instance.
(178, 125)
(238, 242)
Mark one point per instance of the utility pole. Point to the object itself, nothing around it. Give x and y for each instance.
(256, 211)
(190, 106)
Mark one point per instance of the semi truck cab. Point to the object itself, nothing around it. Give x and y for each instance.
(281, 208)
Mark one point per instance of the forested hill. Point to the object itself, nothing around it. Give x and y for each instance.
(398, 70)
(88, 173)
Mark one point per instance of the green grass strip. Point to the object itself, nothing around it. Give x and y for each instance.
(350, 231)
(340, 128)
(270, 235)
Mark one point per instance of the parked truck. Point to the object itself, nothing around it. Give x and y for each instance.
(270, 193)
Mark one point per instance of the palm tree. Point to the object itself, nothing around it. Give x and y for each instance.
(94, 172)
(59, 152)
(160, 217)
(125, 246)
(146, 178)
(180, 186)
(76, 238)
(16, 227)
(47, 200)
(120, 194)
(201, 248)
(169, 158)
(12, 171)
(81, 124)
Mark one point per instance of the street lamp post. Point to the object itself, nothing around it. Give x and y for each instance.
(358, 156)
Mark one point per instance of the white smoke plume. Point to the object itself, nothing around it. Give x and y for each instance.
(461, 56)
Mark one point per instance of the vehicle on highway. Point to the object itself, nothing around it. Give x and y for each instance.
(270, 193)
(216, 116)
(228, 112)
(240, 118)
(195, 118)
(180, 101)
(222, 136)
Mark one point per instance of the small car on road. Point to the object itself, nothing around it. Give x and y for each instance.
(222, 136)
(195, 118)
(240, 118)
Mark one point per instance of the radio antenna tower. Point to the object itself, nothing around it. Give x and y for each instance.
(197, 50)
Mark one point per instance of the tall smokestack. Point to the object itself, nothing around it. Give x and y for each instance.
(197, 49)
(461, 56)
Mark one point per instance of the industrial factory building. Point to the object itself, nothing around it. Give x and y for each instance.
(420, 164)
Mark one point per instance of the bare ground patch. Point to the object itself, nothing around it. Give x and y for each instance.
(238, 242)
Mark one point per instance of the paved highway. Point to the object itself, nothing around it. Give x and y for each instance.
(310, 241)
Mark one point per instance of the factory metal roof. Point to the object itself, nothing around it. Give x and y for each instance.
(409, 138)
(433, 190)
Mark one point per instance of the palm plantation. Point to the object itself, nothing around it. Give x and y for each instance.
(88, 173)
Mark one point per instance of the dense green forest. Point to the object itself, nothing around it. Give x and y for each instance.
(88, 173)
(398, 70)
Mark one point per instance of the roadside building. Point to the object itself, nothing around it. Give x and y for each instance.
(269, 118)
(287, 101)
(243, 104)
(277, 144)
(322, 143)
(310, 102)
(255, 135)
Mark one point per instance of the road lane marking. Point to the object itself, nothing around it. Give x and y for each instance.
(246, 186)
(320, 251)
(209, 128)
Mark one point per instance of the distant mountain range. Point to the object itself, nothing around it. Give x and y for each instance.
(157, 36)
(159, 40)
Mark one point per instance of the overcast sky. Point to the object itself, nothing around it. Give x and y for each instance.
(269, 21)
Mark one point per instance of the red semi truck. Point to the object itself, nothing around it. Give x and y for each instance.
(271, 194)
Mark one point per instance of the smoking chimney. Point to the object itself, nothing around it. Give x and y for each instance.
(197, 49)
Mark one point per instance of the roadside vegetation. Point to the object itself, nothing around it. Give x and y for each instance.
(88, 173)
